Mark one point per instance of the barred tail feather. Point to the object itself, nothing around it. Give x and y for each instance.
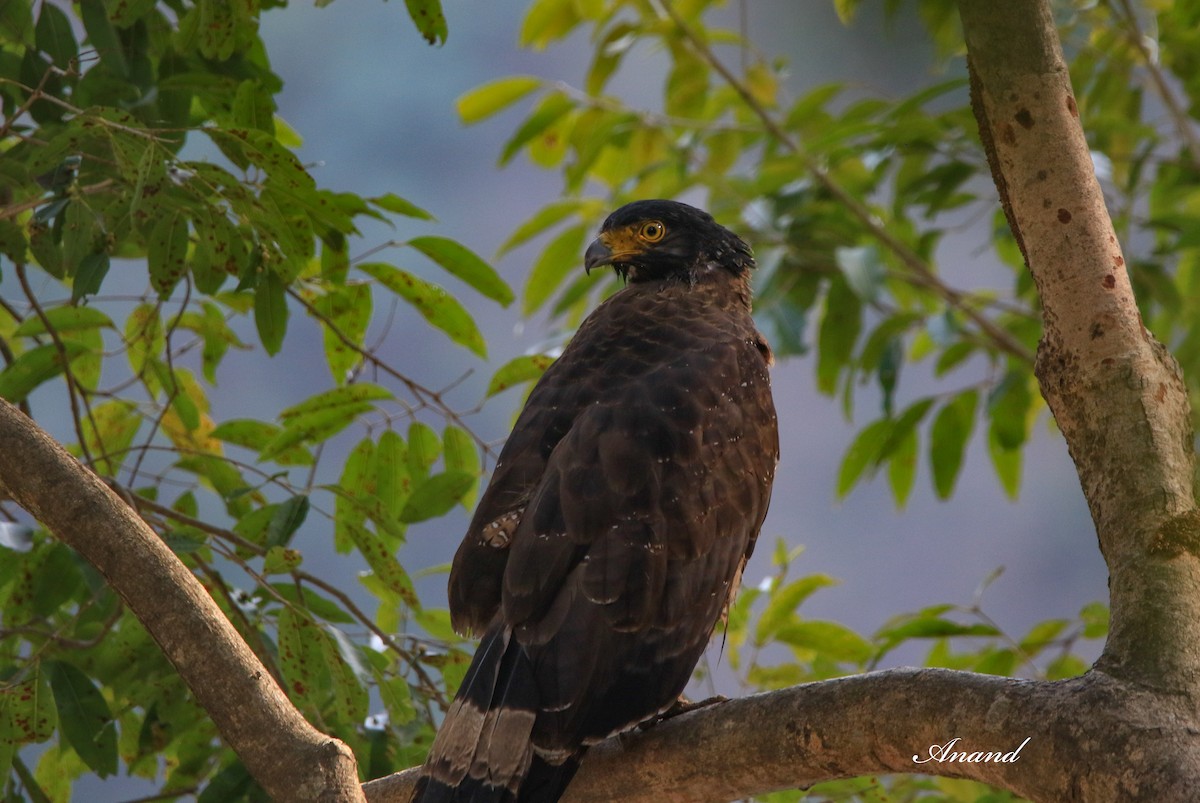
(484, 751)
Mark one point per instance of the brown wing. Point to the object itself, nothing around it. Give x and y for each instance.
(633, 487)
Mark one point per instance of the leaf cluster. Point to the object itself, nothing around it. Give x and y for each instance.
(133, 280)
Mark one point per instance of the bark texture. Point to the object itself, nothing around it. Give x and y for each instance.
(881, 723)
(1115, 392)
(287, 756)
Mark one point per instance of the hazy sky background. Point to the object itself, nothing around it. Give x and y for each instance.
(375, 106)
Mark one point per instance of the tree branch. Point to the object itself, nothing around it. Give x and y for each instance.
(287, 756)
(1115, 392)
(883, 722)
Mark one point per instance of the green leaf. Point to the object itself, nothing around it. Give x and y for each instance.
(1008, 406)
(301, 659)
(1007, 464)
(84, 718)
(166, 251)
(902, 468)
(357, 483)
(1002, 662)
(350, 699)
(27, 712)
(953, 356)
(841, 323)
(833, 641)
(1064, 667)
(89, 276)
(78, 236)
(543, 219)
(64, 319)
(437, 306)
(390, 202)
(103, 37)
(313, 602)
(460, 454)
(548, 112)
(253, 107)
(33, 367)
(430, 21)
(232, 782)
(270, 312)
(255, 435)
(280, 560)
(143, 337)
(460, 261)
(16, 23)
(687, 85)
(517, 371)
(1094, 616)
(782, 605)
(864, 452)
(494, 96)
(393, 480)
(397, 698)
(313, 427)
(345, 396)
(436, 495)
(935, 627)
(436, 622)
(218, 29)
(384, 565)
(1042, 635)
(424, 448)
(108, 432)
(560, 257)
(54, 36)
(287, 519)
(348, 308)
(863, 270)
(948, 440)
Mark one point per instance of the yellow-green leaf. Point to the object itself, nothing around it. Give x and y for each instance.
(343, 396)
(494, 96)
(525, 368)
(32, 368)
(561, 256)
(166, 251)
(461, 454)
(464, 263)
(436, 495)
(384, 564)
(64, 319)
(948, 440)
(270, 312)
(438, 307)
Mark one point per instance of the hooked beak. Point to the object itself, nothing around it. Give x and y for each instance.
(597, 254)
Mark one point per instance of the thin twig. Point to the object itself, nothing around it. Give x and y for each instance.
(74, 393)
(423, 394)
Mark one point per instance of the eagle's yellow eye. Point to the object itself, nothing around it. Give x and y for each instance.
(652, 231)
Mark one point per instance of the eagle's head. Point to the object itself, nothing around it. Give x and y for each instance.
(648, 240)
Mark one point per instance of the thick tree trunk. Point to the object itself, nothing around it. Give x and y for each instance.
(290, 759)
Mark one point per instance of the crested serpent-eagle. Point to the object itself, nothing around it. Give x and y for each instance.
(621, 512)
